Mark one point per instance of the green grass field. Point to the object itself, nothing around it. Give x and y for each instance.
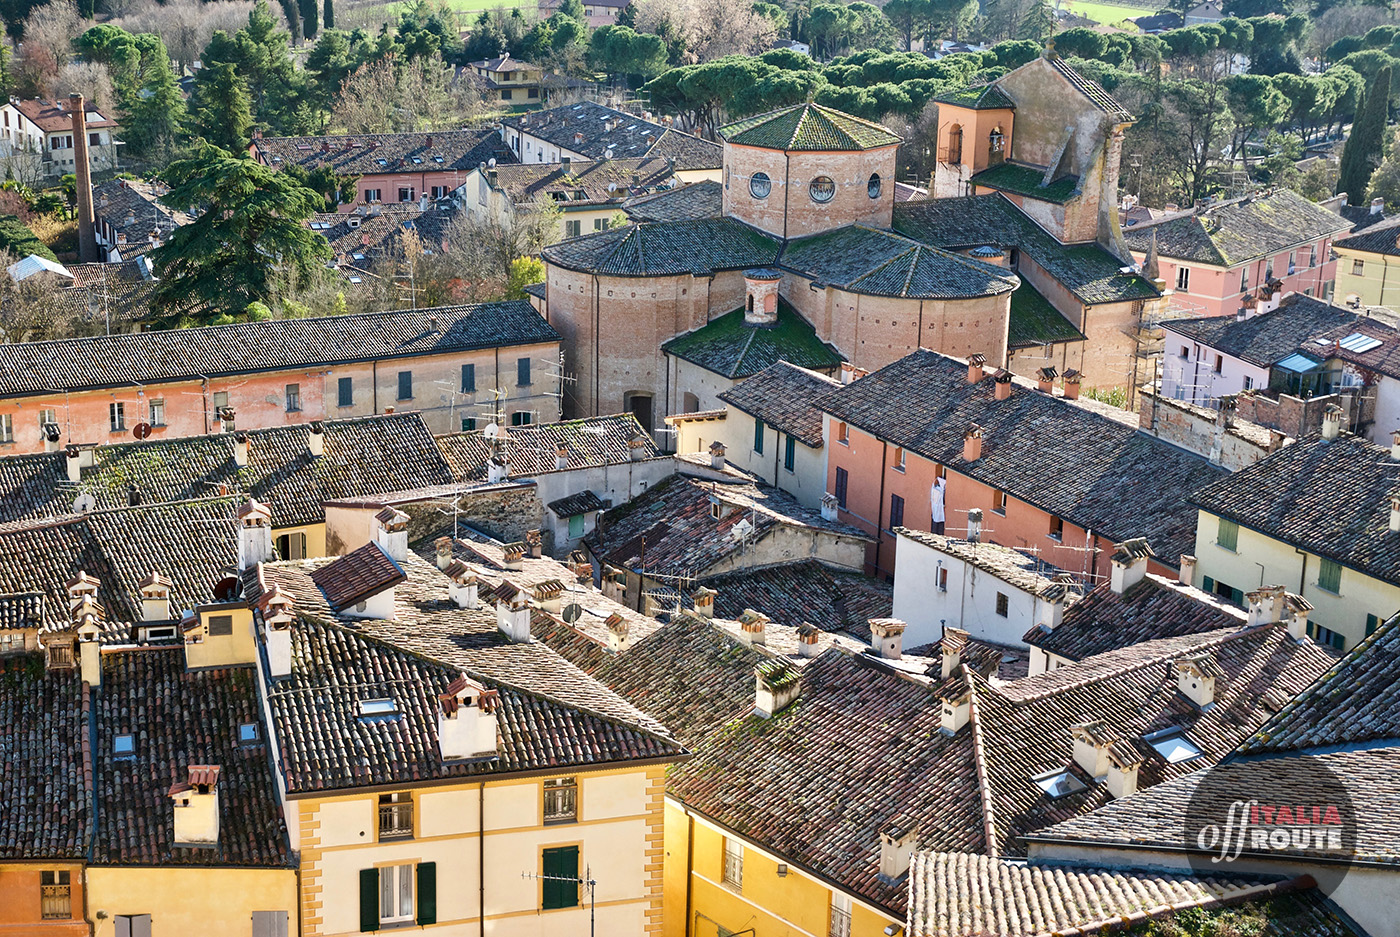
(1106, 12)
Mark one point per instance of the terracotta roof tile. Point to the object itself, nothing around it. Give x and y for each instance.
(379, 153)
(782, 396)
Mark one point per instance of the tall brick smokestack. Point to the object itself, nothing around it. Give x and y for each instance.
(87, 233)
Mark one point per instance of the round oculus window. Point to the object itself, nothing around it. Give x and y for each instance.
(760, 185)
(822, 189)
(873, 186)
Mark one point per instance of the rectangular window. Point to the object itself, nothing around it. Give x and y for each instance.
(54, 901)
(1003, 604)
(1292, 261)
(220, 400)
(942, 579)
(1185, 353)
(559, 884)
(157, 412)
(1227, 535)
(293, 398)
(292, 546)
(597, 224)
(758, 436)
(47, 416)
(1057, 529)
(573, 229)
(733, 862)
(522, 418)
(1219, 363)
(843, 434)
(1327, 636)
(116, 414)
(468, 424)
(269, 924)
(396, 894)
(896, 511)
(522, 372)
(1372, 623)
(840, 915)
(345, 392)
(842, 478)
(396, 816)
(405, 385)
(372, 195)
(1329, 576)
(132, 925)
(406, 193)
(790, 454)
(1244, 280)
(94, 139)
(220, 624)
(1183, 278)
(468, 378)
(575, 526)
(1248, 382)
(7, 428)
(999, 503)
(560, 799)
(1358, 267)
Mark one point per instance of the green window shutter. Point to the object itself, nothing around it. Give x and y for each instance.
(1372, 623)
(427, 893)
(561, 878)
(757, 435)
(575, 526)
(1229, 534)
(790, 455)
(369, 899)
(1329, 576)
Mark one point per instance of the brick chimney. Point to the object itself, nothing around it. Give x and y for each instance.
(618, 629)
(316, 439)
(463, 587)
(240, 450)
(52, 434)
(703, 600)
(534, 543)
(955, 711)
(1071, 384)
(974, 525)
(513, 556)
(1266, 605)
(278, 616)
(466, 720)
(513, 612)
(1003, 384)
(254, 534)
(1332, 422)
(887, 637)
(717, 451)
(808, 635)
(761, 297)
(155, 597)
(1045, 379)
(87, 230)
(776, 684)
(549, 595)
(975, 366)
(1129, 564)
(442, 548)
(197, 807)
(561, 456)
(898, 839)
(953, 644)
(830, 506)
(753, 627)
(1091, 742)
(1297, 611)
(972, 443)
(1196, 676)
(391, 533)
(1187, 572)
(1124, 760)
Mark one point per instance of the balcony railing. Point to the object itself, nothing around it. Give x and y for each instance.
(396, 821)
(54, 903)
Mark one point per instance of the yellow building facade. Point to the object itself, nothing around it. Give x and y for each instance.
(1367, 278)
(172, 901)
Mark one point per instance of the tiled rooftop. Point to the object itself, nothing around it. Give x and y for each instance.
(808, 127)
(132, 207)
(1029, 181)
(730, 347)
(866, 260)
(254, 347)
(832, 598)
(531, 450)
(379, 153)
(1067, 458)
(630, 136)
(55, 116)
(684, 203)
(1012, 567)
(603, 181)
(1380, 238)
(783, 396)
(653, 249)
(1239, 231)
(1329, 498)
(1269, 337)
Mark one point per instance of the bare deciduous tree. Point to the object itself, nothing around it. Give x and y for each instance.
(392, 97)
(91, 80)
(712, 28)
(185, 25)
(34, 309)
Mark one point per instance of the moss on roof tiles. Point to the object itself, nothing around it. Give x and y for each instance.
(1025, 180)
(696, 247)
(729, 347)
(977, 97)
(865, 260)
(809, 127)
(1034, 321)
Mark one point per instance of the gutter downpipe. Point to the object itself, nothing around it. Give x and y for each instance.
(481, 857)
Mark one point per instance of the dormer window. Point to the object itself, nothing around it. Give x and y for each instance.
(1058, 783)
(1173, 745)
(124, 746)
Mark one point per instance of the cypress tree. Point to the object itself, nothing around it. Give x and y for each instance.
(1362, 152)
(328, 15)
(309, 15)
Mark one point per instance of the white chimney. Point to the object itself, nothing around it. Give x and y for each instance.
(1123, 762)
(637, 448)
(953, 644)
(513, 556)
(1332, 422)
(717, 451)
(254, 534)
(703, 600)
(955, 712)
(974, 525)
(467, 720)
(830, 506)
(887, 637)
(561, 456)
(1128, 564)
(897, 842)
(753, 627)
(155, 597)
(1188, 569)
(240, 450)
(89, 630)
(1377, 206)
(51, 437)
(618, 628)
(1092, 741)
(776, 684)
(513, 612)
(549, 595)
(1266, 605)
(1395, 514)
(1297, 620)
(463, 587)
(197, 807)
(391, 532)
(316, 439)
(808, 635)
(1050, 606)
(443, 547)
(496, 469)
(277, 633)
(71, 458)
(1196, 676)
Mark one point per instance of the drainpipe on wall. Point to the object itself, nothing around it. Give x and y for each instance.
(481, 858)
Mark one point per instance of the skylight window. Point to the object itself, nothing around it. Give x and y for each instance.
(437, 159)
(248, 733)
(124, 746)
(1173, 745)
(1358, 343)
(417, 160)
(1058, 783)
(382, 161)
(378, 708)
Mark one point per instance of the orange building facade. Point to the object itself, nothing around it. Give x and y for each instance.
(42, 900)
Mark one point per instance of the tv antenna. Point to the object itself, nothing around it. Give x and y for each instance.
(586, 880)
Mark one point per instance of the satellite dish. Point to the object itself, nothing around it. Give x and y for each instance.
(608, 153)
(84, 503)
(572, 612)
(141, 430)
(491, 431)
(491, 163)
(612, 186)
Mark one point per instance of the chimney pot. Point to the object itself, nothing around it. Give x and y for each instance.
(1003, 384)
(463, 588)
(808, 635)
(1123, 762)
(1266, 605)
(240, 449)
(887, 637)
(703, 602)
(1045, 379)
(637, 448)
(513, 555)
(561, 456)
(1071, 384)
(254, 534)
(972, 443)
(952, 645)
(534, 543)
(1395, 444)
(155, 597)
(955, 711)
(73, 458)
(898, 839)
(829, 506)
(975, 366)
(1332, 422)
(1377, 206)
(753, 627)
(618, 628)
(1129, 564)
(52, 434)
(1196, 676)
(1187, 575)
(717, 451)
(196, 804)
(776, 684)
(974, 525)
(443, 548)
(466, 717)
(316, 439)
(513, 611)
(391, 532)
(1297, 610)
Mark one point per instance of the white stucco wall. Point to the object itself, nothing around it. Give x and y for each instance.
(1194, 378)
(969, 602)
